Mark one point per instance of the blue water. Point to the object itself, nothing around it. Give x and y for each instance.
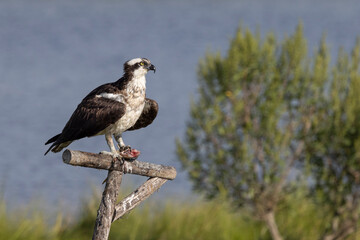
(52, 53)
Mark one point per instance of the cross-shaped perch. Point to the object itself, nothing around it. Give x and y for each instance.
(109, 211)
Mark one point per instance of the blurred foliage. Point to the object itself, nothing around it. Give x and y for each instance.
(333, 147)
(269, 119)
(244, 126)
(243, 134)
(298, 218)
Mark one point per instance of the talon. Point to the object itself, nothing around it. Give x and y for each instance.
(129, 154)
(124, 148)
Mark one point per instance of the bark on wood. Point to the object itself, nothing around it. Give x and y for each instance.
(272, 226)
(139, 195)
(105, 212)
(108, 212)
(101, 161)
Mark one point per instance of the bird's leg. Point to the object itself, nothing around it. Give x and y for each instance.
(121, 144)
(125, 151)
(111, 145)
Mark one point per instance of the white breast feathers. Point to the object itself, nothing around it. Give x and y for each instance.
(133, 96)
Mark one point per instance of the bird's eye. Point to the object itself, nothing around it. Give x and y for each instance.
(142, 64)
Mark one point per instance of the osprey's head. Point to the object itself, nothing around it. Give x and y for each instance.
(138, 67)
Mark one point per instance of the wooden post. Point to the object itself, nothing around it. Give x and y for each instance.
(108, 211)
(107, 205)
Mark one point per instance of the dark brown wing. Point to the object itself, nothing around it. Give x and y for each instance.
(92, 116)
(147, 116)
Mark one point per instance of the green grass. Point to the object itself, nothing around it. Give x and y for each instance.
(171, 220)
(299, 219)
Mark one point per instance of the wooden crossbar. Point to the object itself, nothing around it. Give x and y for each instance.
(109, 211)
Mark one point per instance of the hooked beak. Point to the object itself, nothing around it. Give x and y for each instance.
(152, 68)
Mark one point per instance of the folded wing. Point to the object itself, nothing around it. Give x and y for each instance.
(147, 116)
(91, 117)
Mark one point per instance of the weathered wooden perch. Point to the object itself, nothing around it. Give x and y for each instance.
(100, 161)
(109, 211)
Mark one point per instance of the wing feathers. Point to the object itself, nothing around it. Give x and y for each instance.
(92, 116)
(53, 139)
(147, 116)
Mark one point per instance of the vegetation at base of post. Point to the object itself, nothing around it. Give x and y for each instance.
(298, 218)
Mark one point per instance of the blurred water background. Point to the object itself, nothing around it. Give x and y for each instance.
(52, 53)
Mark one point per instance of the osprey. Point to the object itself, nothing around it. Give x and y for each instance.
(112, 109)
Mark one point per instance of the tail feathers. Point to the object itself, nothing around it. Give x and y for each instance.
(53, 139)
(49, 148)
(57, 147)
